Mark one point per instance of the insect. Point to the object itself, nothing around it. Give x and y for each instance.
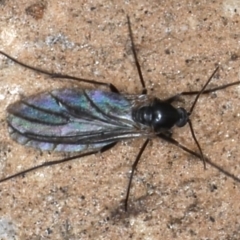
(90, 121)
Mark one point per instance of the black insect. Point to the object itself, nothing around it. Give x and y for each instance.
(91, 121)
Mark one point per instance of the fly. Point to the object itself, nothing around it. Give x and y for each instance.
(91, 121)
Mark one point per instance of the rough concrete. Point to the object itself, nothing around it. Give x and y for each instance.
(178, 44)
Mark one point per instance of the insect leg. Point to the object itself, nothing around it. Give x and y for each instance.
(45, 164)
(175, 97)
(198, 93)
(216, 166)
(51, 163)
(144, 90)
(192, 108)
(59, 75)
(212, 89)
(134, 166)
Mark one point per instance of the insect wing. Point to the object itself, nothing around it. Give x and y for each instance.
(71, 120)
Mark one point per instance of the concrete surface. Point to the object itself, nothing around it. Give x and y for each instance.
(178, 44)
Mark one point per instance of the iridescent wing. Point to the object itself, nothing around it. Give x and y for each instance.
(73, 120)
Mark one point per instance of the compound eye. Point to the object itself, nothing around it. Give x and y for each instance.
(183, 117)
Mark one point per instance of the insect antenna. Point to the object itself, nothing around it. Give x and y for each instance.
(163, 136)
(190, 112)
(201, 92)
(216, 166)
(210, 90)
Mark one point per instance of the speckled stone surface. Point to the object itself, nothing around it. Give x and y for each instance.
(178, 44)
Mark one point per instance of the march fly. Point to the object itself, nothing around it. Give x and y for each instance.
(90, 121)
